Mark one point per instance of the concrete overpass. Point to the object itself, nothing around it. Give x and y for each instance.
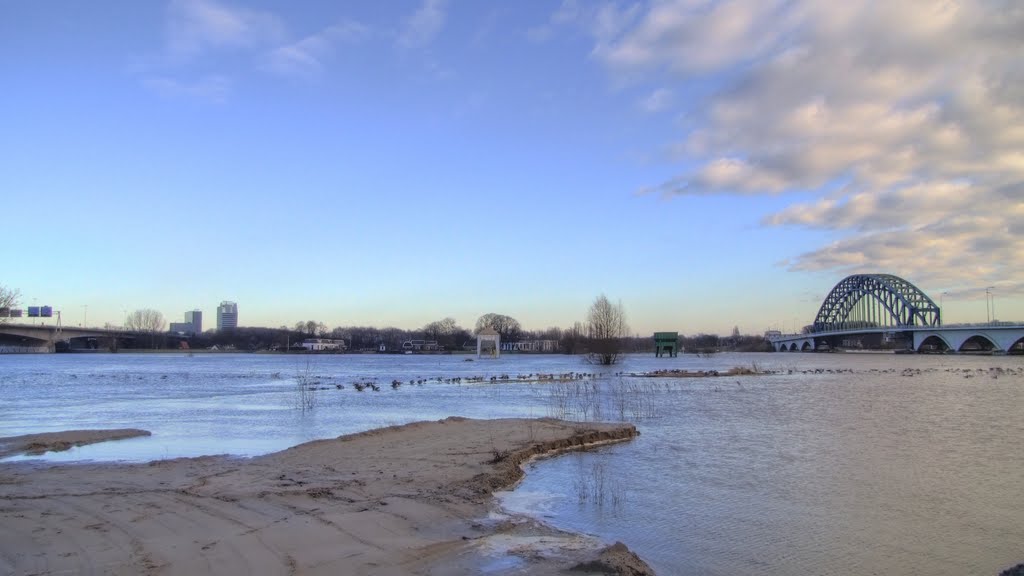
(44, 337)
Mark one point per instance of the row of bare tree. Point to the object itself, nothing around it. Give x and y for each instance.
(603, 336)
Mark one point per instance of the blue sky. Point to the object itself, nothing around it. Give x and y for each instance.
(709, 164)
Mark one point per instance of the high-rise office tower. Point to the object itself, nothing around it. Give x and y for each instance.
(195, 318)
(227, 315)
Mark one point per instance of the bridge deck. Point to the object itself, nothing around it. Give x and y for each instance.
(1002, 335)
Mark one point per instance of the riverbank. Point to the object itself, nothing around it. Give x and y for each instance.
(412, 499)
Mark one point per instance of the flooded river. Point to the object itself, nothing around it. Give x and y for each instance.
(823, 464)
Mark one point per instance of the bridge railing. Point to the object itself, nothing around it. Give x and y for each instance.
(992, 324)
(965, 325)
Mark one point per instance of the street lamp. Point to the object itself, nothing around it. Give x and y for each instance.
(988, 295)
(941, 296)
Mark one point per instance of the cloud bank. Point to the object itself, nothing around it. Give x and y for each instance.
(905, 118)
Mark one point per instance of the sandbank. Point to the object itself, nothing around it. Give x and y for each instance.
(65, 440)
(412, 499)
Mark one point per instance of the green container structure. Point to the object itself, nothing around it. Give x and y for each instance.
(666, 342)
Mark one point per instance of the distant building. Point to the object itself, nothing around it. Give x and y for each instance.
(181, 328)
(420, 346)
(195, 318)
(323, 344)
(193, 324)
(537, 346)
(227, 315)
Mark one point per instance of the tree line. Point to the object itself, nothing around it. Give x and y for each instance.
(604, 342)
(603, 336)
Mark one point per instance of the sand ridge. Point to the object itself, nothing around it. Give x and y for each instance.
(64, 440)
(399, 500)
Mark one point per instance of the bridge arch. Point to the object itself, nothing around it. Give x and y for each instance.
(875, 300)
(934, 343)
(807, 346)
(977, 343)
(1016, 348)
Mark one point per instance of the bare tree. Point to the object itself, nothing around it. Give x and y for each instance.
(571, 338)
(606, 326)
(8, 299)
(552, 333)
(306, 384)
(507, 326)
(439, 328)
(446, 332)
(146, 320)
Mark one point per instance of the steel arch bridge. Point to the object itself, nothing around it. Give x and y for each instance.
(875, 301)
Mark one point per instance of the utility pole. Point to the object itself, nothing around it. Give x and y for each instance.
(988, 294)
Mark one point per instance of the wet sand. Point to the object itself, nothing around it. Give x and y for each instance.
(60, 441)
(413, 499)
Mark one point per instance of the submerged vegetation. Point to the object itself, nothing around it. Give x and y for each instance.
(598, 486)
(596, 400)
(306, 384)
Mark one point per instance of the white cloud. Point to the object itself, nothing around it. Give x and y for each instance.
(195, 26)
(305, 57)
(194, 29)
(943, 255)
(198, 31)
(910, 113)
(424, 25)
(910, 206)
(656, 101)
(688, 35)
(600, 20)
(722, 174)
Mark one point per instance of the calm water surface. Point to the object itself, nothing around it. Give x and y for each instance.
(834, 464)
